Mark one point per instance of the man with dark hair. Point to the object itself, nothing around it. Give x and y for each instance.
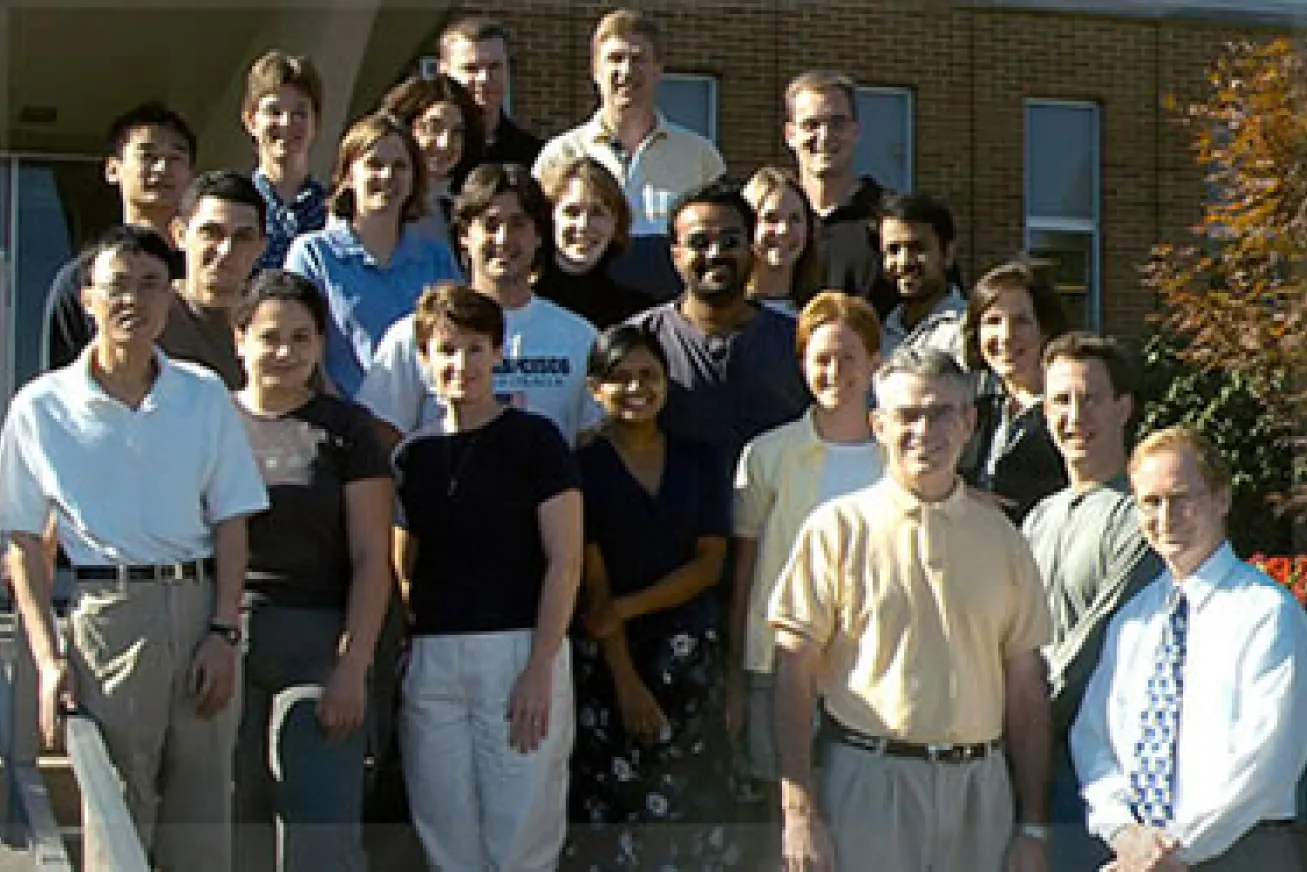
(220, 229)
(918, 246)
(474, 52)
(1089, 548)
(1190, 739)
(821, 128)
(731, 361)
(917, 610)
(654, 160)
(150, 159)
(144, 466)
(504, 226)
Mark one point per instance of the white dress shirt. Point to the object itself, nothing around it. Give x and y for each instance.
(127, 486)
(1243, 719)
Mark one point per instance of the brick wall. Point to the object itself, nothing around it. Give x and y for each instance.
(970, 70)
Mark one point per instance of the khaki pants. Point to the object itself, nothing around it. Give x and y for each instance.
(894, 814)
(131, 652)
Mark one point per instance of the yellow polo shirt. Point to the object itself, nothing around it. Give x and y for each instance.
(777, 484)
(916, 606)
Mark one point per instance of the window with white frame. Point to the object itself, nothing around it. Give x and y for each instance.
(885, 148)
(690, 100)
(1062, 195)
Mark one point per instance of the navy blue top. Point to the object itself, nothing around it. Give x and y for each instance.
(472, 499)
(645, 536)
(725, 390)
(305, 213)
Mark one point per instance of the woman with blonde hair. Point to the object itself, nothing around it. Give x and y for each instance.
(781, 477)
(787, 264)
(367, 262)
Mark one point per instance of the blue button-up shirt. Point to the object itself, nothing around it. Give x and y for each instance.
(365, 297)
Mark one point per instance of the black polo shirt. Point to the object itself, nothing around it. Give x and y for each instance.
(850, 242)
(512, 144)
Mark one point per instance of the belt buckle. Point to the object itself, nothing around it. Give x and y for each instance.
(934, 753)
(174, 573)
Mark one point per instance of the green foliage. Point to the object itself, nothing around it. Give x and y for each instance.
(1224, 405)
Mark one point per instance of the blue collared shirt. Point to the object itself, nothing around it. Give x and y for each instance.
(364, 296)
(305, 213)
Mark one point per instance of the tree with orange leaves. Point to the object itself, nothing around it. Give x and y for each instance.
(1238, 292)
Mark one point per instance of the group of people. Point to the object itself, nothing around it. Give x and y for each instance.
(718, 526)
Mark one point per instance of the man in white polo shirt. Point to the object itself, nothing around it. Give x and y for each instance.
(654, 160)
(145, 468)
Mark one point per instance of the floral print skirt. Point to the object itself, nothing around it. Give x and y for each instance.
(666, 806)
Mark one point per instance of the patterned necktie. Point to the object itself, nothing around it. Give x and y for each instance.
(1152, 781)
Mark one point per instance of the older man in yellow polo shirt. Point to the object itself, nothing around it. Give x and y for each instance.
(917, 613)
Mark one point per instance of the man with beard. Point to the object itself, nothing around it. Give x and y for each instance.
(220, 229)
(821, 128)
(504, 226)
(732, 366)
(917, 242)
(654, 160)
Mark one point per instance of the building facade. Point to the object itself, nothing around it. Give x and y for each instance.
(1041, 122)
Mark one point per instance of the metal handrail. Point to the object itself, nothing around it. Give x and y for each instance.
(103, 808)
(29, 817)
(29, 820)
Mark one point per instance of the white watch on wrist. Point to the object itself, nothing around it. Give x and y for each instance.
(1034, 831)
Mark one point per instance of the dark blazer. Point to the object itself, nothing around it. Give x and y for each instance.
(1030, 467)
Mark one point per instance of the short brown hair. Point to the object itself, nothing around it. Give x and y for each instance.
(273, 69)
(476, 29)
(1015, 275)
(1081, 345)
(810, 269)
(449, 304)
(1211, 465)
(821, 80)
(361, 136)
(627, 24)
(837, 307)
(600, 185)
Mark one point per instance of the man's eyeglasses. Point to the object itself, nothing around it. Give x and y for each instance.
(701, 243)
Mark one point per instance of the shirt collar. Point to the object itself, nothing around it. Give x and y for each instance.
(597, 131)
(1118, 483)
(340, 237)
(947, 306)
(308, 190)
(908, 504)
(90, 390)
(1199, 586)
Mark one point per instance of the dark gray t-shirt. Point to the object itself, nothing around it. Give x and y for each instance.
(1092, 558)
(299, 547)
(725, 390)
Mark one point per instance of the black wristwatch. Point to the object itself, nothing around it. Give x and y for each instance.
(230, 633)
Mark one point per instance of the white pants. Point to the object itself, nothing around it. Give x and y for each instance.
(477, 803)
